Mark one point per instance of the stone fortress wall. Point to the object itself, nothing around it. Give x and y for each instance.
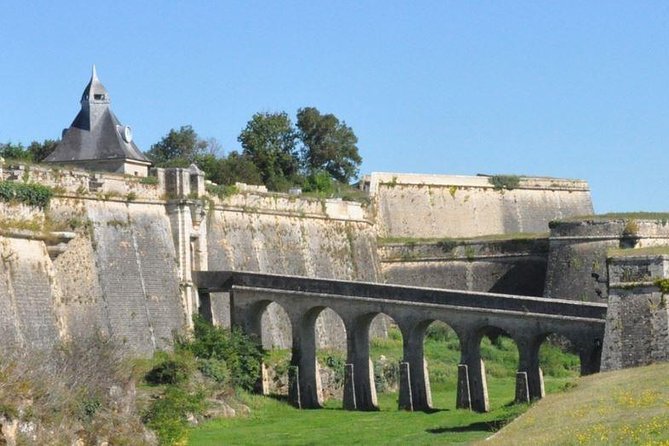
(114, 254)
(461, 232)
(434, 206)
(637, 319)
(579, 248)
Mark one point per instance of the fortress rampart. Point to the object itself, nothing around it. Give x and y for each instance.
(434, 206)
(115, 253)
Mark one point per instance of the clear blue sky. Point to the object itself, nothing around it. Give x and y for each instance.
(567, 89)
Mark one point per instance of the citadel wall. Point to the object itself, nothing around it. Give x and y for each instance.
(637, 319)
(577, 267)
(114, 254)
(502, 265)
(434, 206)
(288, 235)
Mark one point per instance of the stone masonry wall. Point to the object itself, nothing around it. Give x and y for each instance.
(113, 254)
(512, 266)
(435, 206)
(637, 320)
(285, 235)
(116, 274)
(578, 251)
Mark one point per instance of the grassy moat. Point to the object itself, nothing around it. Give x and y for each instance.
(274, 421)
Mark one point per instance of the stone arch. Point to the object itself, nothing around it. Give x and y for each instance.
(276, 327)
(306, 390)
(498, 381)
(530, 376)
(360, 385)
(552, 343)
(472, 378)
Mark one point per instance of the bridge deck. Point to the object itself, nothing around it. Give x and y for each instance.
(224, 280)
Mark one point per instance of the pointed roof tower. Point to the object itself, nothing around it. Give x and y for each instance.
(96, 139)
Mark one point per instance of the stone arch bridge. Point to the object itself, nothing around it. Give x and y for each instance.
(472, 315)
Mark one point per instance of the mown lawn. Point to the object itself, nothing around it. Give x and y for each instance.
(272, 421)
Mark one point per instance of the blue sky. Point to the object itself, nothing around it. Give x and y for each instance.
(566, 89)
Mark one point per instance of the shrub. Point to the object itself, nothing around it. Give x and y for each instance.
(149, 180)
(241, 354)
(221, 191)
(319, 182)
(215, 369)
(338, 366)
(26, 193)
(501, 182)
(439, 331)
(172, 369)
(167, 416)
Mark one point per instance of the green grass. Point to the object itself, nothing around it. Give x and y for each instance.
(273, 421)
(623, 407)
(649, 251)
(659, 216)
(483, 238)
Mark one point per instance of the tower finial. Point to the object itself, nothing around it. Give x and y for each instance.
(94, 75)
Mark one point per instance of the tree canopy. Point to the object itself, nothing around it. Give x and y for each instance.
(35, 152)
(179, 148)
(328, 145)
(317, 154)
(269, 141)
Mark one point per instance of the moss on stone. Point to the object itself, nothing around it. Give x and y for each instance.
(649, 251)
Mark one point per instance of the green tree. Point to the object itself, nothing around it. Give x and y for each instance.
(14, 152)
(269, 141)
(229, 169)
(38, 151)
(179, 148)
(328, 144)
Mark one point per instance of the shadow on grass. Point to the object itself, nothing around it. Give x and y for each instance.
(278, 397)
(480, 426)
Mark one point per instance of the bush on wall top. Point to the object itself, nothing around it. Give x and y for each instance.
(26, 193)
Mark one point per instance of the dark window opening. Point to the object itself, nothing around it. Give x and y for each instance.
(98, 97)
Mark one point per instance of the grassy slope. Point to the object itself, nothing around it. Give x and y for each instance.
(274, 422)
(624, 407)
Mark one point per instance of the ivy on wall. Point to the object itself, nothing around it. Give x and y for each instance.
(26, 193)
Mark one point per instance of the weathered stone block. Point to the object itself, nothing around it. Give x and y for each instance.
(405, 398)
(464, 398)
(349, 388)
(522, 388)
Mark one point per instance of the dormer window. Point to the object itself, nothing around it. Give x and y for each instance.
(99, 97)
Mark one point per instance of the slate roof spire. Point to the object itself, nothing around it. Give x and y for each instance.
(95, 92)
(96, 139)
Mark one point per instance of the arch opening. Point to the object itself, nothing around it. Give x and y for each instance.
(276, 338)
(330, 352)
(385, 354)
(441, 354)
(559, 361)
(499, 356)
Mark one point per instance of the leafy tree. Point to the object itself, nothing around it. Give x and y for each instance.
(14, 152)
(320, 182)
(269, 141)
(229, 169)
(328, 144)
(179, 148)
(39, 151)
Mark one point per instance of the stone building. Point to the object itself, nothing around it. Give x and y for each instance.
(96, 140)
